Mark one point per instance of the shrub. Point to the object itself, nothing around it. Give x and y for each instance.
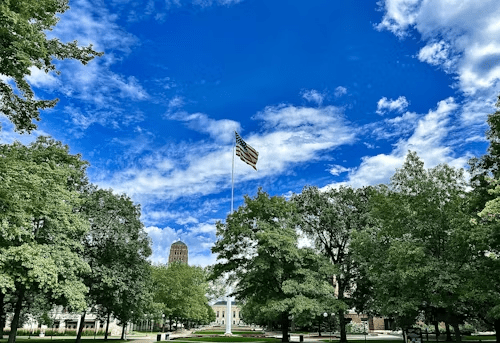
(355, 328)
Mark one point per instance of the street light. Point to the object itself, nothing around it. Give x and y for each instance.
(364, 320)
(163, 322)
(331, 319)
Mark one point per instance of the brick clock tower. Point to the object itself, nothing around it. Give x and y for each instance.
(178, 253)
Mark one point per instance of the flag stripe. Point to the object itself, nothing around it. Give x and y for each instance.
(246, 153)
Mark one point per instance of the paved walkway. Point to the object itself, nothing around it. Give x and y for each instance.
(293, 338)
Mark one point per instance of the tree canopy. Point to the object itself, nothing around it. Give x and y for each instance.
(41, 232)
(418, 254)
(24, 45)
(275, 279)
(116, 248)
(181, 291)
(329, 218)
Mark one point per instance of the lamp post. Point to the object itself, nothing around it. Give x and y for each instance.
(364, 320)
(163, 322)
(330, 322)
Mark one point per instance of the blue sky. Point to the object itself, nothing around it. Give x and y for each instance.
(329, 92)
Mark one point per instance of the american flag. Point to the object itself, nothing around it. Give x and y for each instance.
(246, 153)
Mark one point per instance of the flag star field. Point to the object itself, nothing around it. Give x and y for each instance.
(328, 93)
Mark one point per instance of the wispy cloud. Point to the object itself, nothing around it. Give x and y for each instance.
(463, 37)
(290, 136)
(102, 91)
(385, 105)
(338, 169)
(339, 91)
(219, 130)
(313, 96)
(429, 140)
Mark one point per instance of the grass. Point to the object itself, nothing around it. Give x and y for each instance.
(479, 338)
(236, 332)
(228, 339)
(400, 340)
(63, 340)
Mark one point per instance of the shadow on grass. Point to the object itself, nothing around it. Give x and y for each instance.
(64, 340)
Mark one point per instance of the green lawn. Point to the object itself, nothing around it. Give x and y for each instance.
(63, 340)
(479, 338)
(228, 339)
(207, 332)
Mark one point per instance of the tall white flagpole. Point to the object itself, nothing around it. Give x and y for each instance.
(232, 176)
(228, 298)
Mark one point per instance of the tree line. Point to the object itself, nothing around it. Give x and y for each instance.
(425, 246)
(66, 242)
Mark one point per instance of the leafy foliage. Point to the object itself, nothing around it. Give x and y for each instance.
(116, 248)
(24, 45)
(329, 218)
(41, 232)
(418, 254)
(181, 291)
(276, 279)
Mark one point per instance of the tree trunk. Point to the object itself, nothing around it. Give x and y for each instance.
(17, 313)
(342, 323)
(319, 326)
(123, 331)
(448, 332)
(107, 326)
(80, 328)
(2, 314)
(458, 335)
(284, 327)
(496, 325)
(436, 330)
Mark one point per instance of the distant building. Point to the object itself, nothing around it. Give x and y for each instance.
(65, 321)
(178, 253)
(221, 317)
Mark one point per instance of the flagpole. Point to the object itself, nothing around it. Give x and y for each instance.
(228, 298)
(232, 176)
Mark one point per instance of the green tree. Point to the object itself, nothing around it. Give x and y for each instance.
(116, 248)
(329, 218)
(182, 290)
(258, 247)
(41, 232)
(418, 255)
(23, 45)
(486, 167)
(486, 281)
(485, 176)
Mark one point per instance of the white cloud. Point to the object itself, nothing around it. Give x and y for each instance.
(39, 78)
(187, 220)
(102, 90)
(203, 228)
(9, 136)
(292, 135)
(175, 102)
(313, 96)
(429, 140)
(463, 36)
(220, 130)
(397, 127)
(90, 22)
(436, 54)
(384, 105)
(338, 169)
(339, 91)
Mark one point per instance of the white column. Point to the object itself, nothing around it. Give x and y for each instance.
(228, 316)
